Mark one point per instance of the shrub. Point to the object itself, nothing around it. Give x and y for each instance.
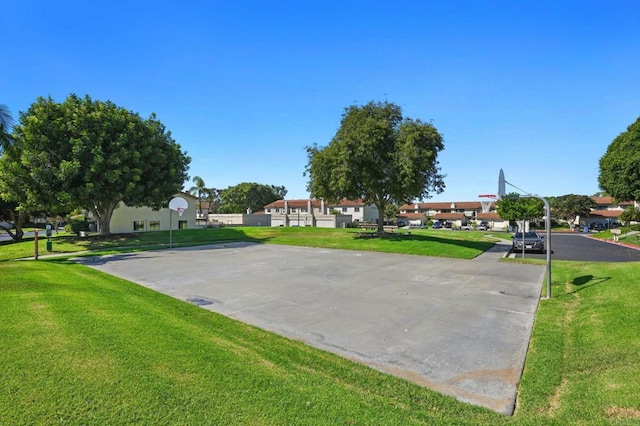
(76, 226)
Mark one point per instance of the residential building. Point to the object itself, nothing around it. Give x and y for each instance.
(608, 210)
(459, 213)
(312, 212)
(141, 219)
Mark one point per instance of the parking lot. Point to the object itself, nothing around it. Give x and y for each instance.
(580, 247)
(460, 327)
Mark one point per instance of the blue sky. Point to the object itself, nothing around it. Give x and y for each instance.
(537, 88)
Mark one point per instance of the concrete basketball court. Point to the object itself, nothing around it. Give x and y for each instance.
(460, 327)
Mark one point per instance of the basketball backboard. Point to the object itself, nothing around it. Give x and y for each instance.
(501, 185)
(178, 204)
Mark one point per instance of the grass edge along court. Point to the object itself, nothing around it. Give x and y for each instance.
(86, 348)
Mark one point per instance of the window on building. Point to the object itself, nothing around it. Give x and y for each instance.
(303, 210)
(182, 224)
(154, 225)
(356, 209)
(138, 225)
(344, 209)
(293, 210)
(277, 210)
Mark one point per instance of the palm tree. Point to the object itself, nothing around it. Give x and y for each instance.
(198, 190)
(6, 121)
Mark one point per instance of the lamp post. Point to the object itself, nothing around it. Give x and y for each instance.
(547, 210)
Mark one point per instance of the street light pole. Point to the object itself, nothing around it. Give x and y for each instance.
(548, 243)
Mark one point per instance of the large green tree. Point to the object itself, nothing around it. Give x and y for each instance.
(620, 165)
(378, 156)
(515, 208)
(249, 196)
(95, 155)
(571, 205)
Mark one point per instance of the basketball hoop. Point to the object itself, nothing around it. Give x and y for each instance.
(489, 199)
(178, 204)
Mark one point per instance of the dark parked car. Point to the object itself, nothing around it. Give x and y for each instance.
(598, 226)
(532, 242)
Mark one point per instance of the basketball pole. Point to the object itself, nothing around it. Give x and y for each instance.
(170, 229)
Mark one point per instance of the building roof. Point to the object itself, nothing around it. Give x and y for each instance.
(449, 216)
(314, 203)
(610, 201)
(611, 214)
(464, 205)
(279, 204)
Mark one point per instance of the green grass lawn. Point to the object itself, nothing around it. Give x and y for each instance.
(583, 365)
(456, 244)
(82, 347)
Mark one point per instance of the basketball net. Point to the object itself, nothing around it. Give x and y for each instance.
(486, 202)
(180, 210)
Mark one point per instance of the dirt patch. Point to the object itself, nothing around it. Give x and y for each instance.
(622, 413)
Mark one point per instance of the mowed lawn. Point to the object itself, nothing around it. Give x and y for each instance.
(81, 347)
(427, 242)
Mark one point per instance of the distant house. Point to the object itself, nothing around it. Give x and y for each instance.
(313, 212)
(608, 210)
(459, 213)
(142, 219)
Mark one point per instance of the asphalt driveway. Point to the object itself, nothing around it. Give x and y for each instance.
(580, 247)
(460, 327)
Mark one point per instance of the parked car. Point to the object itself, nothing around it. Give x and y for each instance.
(597, 226)
(532, 241)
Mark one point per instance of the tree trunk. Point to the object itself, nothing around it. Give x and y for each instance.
(103, 214)
(18, 219)
(380, 217)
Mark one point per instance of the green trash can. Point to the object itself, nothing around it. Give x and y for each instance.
(49, 245)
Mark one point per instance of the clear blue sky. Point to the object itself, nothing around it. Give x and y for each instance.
(537, 88)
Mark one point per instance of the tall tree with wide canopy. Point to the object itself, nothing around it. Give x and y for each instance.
(95, 155)
(620, 165)
(377, 156)
(571, 205)
(249, 196)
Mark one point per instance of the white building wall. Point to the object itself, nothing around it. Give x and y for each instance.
(124, 217)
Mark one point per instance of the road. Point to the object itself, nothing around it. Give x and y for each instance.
(581, 247)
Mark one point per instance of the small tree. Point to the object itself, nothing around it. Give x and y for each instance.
(514, 208)
(377, 156)
(571, 205)
(200, 191)
(6, 121)
(630, 214)
(249, 196)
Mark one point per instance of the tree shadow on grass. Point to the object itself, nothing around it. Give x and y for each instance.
(586, 281)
